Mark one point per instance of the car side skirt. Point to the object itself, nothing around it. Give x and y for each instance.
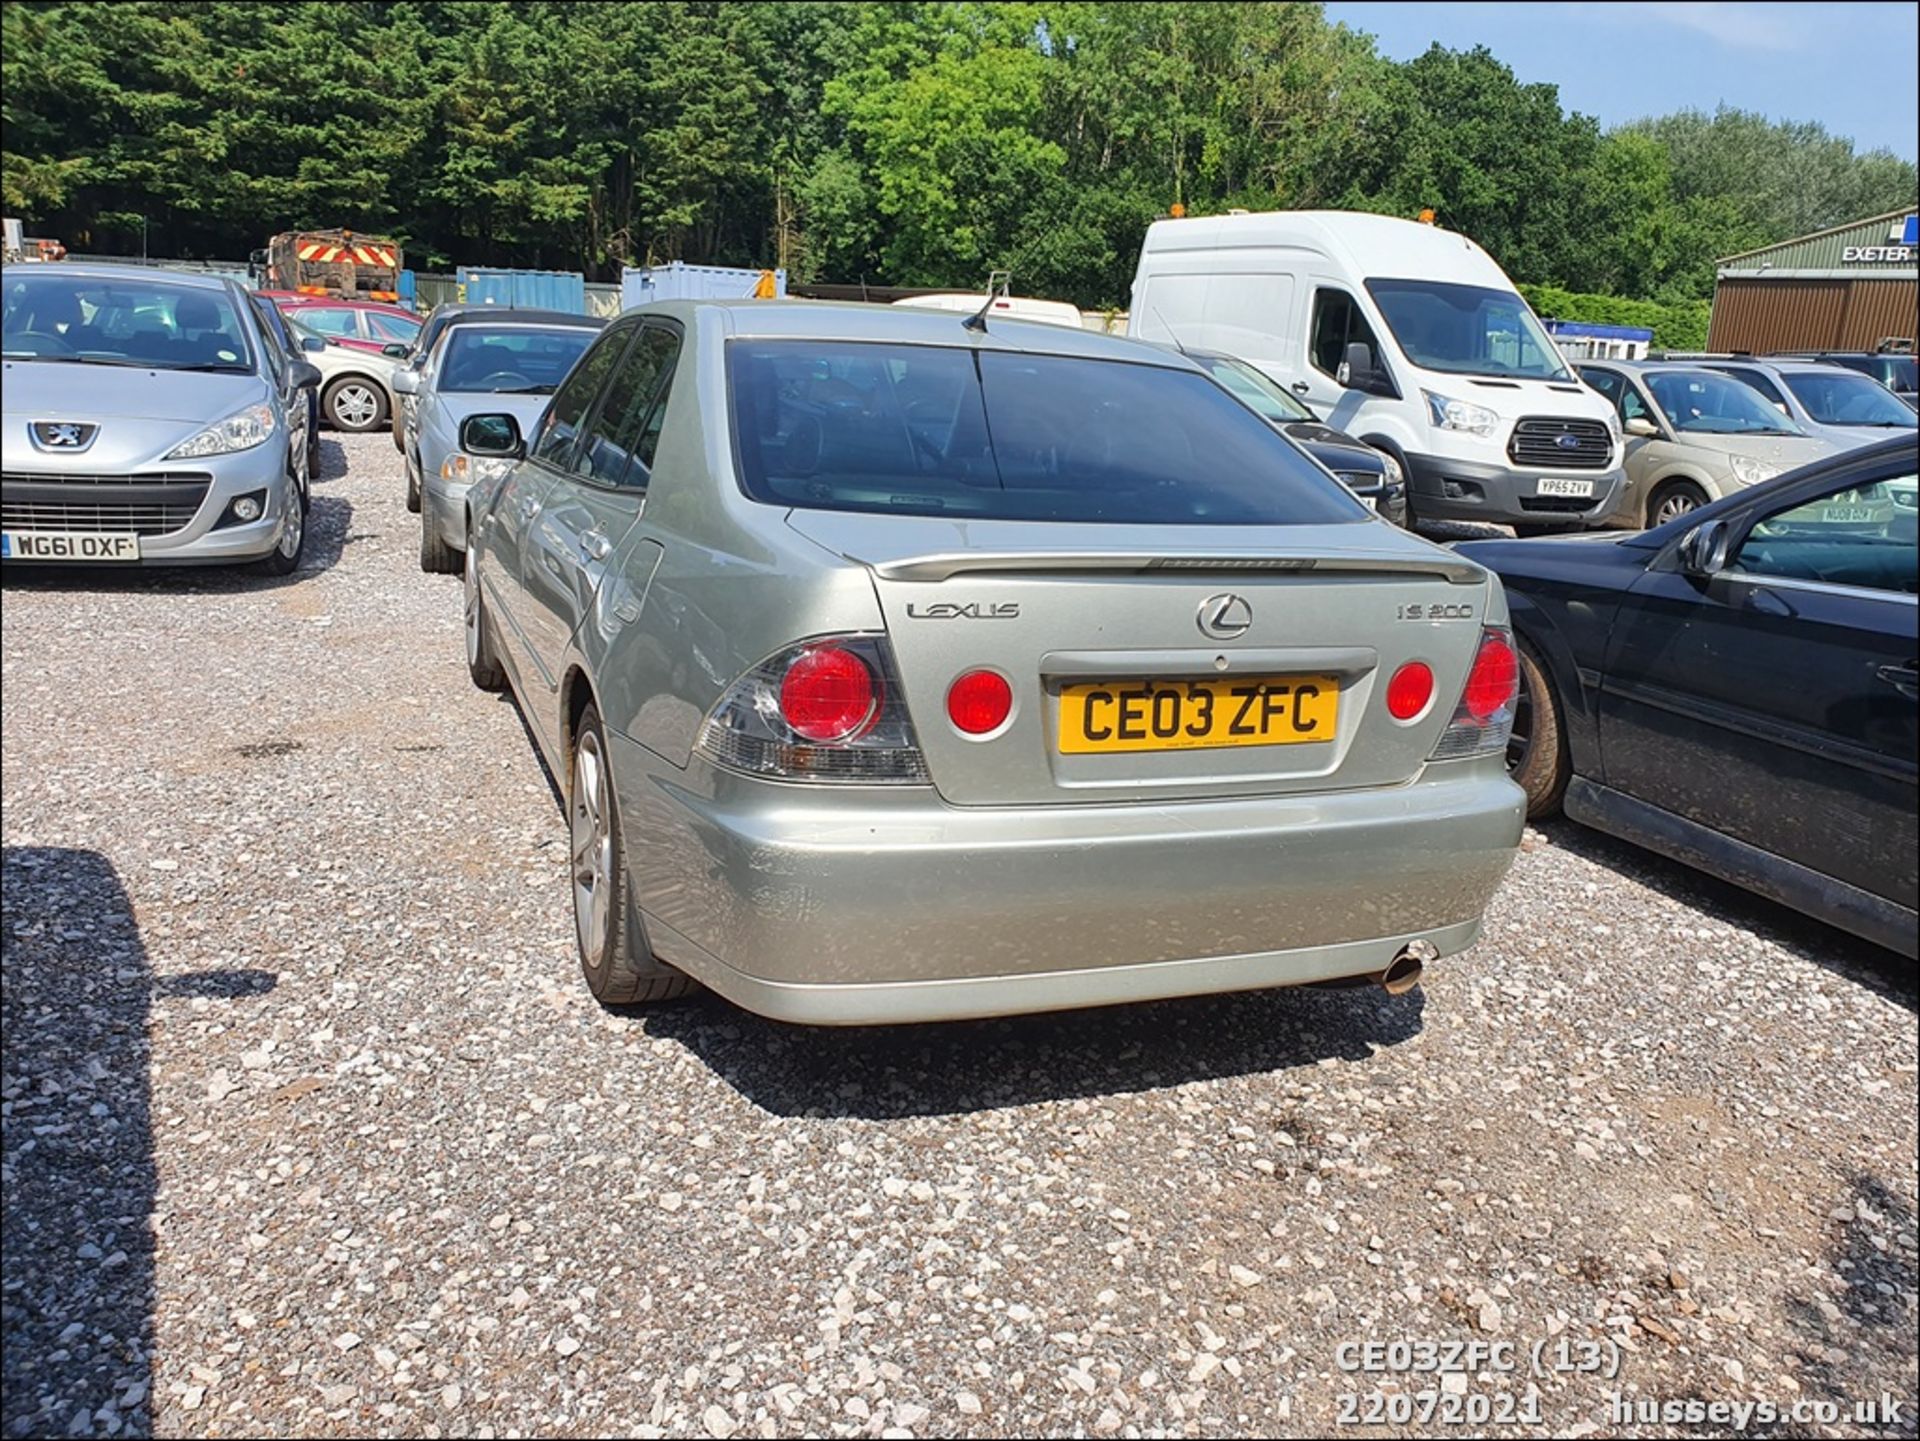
(1872, 918)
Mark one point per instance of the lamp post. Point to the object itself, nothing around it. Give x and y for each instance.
(143, 240)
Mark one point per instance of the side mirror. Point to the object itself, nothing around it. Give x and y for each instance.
(404, 381)
(1703, 551)
(1356, 366)
(395, 350)
(303, 374)
(492, 435)
(313, 345)
(1642, 427)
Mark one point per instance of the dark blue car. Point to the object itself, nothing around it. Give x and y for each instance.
(1737, 689)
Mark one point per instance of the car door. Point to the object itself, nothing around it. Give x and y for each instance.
(1774, 702)
(516, 506)
(591, 506)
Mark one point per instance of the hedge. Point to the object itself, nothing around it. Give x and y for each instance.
(1682, 326)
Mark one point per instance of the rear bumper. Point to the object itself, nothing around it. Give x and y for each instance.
(855, 907)
(1448, 489)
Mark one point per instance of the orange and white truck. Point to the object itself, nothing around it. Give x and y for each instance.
(339, 264)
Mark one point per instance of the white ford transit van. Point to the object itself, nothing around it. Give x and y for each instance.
(1406, 336)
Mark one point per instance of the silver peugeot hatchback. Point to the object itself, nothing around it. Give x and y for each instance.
(901, 669)
(149, 418)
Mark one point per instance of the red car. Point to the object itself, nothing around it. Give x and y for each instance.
(358, 324)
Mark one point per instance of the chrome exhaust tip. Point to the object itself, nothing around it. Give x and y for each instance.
(1404, 973)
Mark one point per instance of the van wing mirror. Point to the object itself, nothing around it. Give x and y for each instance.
(1642, 427)
(404, 381)
(1359, 371)
(1356, 365)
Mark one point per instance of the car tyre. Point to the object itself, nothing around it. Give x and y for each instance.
(284, 558)
(1672, 499)
(483, 662)
(1537, 753)
(413, 483)
(614, 956)
(355, 404)
(436, 556)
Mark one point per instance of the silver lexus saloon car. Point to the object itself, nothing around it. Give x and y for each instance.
(900, 669)
(147, 418)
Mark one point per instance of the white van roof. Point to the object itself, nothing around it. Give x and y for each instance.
(1364, 245)
(1020, 307)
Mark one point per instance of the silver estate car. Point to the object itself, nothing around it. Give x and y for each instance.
(502, 364)
(903, 670)
(149, 419)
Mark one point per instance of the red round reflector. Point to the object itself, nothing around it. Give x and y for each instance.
(979, 701)
(1409, 690)
(827, 694)
(1495, 679)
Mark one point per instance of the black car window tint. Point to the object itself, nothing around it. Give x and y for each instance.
(666, 343)
(1861, 534)
(606, 450)
(560, 427)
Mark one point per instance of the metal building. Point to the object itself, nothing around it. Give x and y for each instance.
(1855, 287)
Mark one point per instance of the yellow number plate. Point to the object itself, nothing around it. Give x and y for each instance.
(1190, 715)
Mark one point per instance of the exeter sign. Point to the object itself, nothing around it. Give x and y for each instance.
(1905, 235)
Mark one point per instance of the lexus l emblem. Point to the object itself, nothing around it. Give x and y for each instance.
(63, 434)
(1225, 616)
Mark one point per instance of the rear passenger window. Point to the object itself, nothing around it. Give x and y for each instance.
(617, 435)
(649, 441)
(1337, 323)
(560, 427)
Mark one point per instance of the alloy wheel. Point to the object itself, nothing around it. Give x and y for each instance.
(471, 609)
(1673, 506)
(355, 406)
(1520, 739)
(592, 837)
(296, 523)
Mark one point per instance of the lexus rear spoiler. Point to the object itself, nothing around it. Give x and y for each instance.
(1454, 569)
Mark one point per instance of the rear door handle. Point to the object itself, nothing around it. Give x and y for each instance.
(1903, 678)
(596, 544)
(1300, 387)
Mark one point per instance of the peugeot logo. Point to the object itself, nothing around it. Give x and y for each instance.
(1225, 616)
(1568, 442)
(63, 434)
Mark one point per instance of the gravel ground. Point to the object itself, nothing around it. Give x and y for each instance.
(311, 1127)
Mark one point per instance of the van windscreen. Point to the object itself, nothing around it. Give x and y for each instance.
(1467, 330)
(998, 435)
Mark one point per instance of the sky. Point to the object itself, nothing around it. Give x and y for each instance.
(1852, 67)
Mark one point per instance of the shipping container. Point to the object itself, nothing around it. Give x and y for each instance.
(526, 289)
(680, 281)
